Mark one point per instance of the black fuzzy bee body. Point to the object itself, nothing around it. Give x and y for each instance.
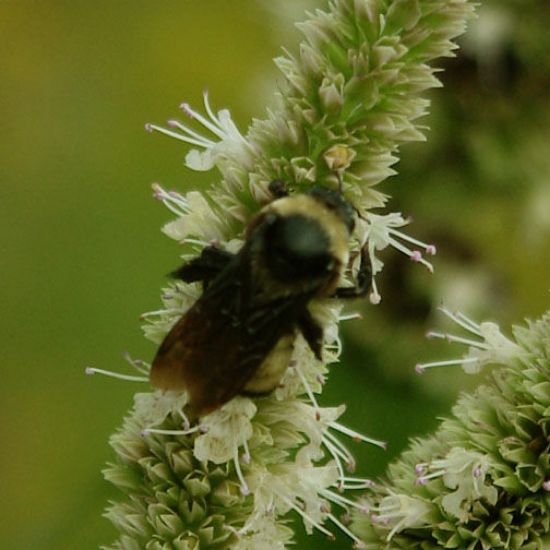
(239, 335)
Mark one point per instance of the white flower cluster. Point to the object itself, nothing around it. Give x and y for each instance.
(488, 345)
(284, 449)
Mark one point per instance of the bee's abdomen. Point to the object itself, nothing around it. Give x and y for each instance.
(273, 367)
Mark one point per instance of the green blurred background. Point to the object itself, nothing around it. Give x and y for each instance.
(82, 255)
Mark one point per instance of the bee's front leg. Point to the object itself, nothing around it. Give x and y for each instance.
(204, 267)
(362, 282)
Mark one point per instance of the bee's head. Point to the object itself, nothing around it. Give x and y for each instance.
(335, 201)
(297, 248)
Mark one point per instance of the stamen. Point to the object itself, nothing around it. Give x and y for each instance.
(420, 468)
(397, 527)
(201, 140)
(309, 392)
(343, 501)
(358, 436)
(348, 457)
(147, 431)
(231, 529)
(186, 423)
(350, 316)
(176, 135)
(197, 242)
(209, 111)
(270, 507)
(214, 128)
(337, 460)
(352, 483)
(422, 480)
(244, 486)
(421, 367)
(414, 255)
(310, 520)
(138, 364)
(173, 201)
(246, 456)
(459, 339)
(358, 543)
(546, 485)
(374, 296)
(462, 320)
(92, 370)
(429, 248)
(158, 312)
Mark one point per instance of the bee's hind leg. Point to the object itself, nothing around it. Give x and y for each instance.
(204, 267)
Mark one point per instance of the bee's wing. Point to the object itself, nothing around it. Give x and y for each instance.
(218, 345)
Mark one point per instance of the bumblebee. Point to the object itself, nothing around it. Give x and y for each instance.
(238, 337)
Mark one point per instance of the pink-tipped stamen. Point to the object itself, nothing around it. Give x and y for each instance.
(414, 255)
(244, 486)
(309, 392)
(91, 370)
(336, 455)
(214, 128)
(172, 200)
(199, 140)
(140, 365)
(458, 339)
(344, 502)
(311, 521)
(420, 368)
(147, 431)
(340, 450)
(462, 320)
(246, 455)
(357, 542)
(358, 436)
(180, 137)
(356, 483)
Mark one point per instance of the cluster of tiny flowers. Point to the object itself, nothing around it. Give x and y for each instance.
(482, 480)
(229, 479)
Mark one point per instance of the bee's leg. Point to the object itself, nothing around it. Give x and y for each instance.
(312, 332)
(204, 267)
(362, 283)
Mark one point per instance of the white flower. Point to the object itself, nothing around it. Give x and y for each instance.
(225, 142)
(462, 470)
(226, 429)
(154, 407)
(379, 232)
(488, 345)
(197, 222)
(398, 512)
